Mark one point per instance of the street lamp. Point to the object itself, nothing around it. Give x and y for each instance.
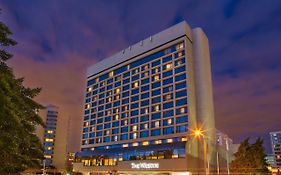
(198, 133)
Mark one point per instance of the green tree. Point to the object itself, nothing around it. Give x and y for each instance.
(250, 158)
(20, 148)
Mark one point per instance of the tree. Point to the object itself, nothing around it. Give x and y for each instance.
(250, 158)
(20, 148)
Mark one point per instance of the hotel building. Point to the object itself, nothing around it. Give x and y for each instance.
(143, 104)
(276, 149)
(53, 138)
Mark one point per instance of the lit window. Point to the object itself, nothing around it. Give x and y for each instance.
(97, 79)
(108, 112)
(50, 132)
(108, 99)
(182, 110)
(155, 77)
(111, 74)
(158, 141)
(169, 140)
(49, 140)
(125, 145)
(183, 139)
(146, 126)
(107, 132)
(146, 110)
(179, 46)
(116, 117)
(157, 124)
(156, 107)
(168, 97)
(135, 144)
(120, 159)
(134, 135)
(89, 89)
(145, 74)
(118, 78)
(136, 84)
(128, 66)
(169, 121)
(117, 90)
(145, 143)
(168, 66)
(87, 106)
(86, 123)
(125, 122)
(135, 71)
(179, 54)
(174, 156)
(93, 128)
(115, 138)
(49, 148)
(157, 69)
(48, 156)
(135, 128)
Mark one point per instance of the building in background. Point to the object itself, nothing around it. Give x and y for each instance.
(145, 105)
(53, 138)
(276, 149)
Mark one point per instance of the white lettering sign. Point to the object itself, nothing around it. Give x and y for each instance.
(144, 165)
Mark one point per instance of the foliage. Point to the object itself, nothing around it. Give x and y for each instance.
(250, 158)
(19, 146)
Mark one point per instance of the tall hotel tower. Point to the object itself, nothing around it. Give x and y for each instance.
(143, 105)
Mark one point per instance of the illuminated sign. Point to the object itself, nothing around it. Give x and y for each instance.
(144, 165)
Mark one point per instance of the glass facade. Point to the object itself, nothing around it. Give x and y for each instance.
(146, 98)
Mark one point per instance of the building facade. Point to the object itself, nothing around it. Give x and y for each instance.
(53, 138)
(143, 103)
(276, 148)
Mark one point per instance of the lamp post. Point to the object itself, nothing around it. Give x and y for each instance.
(198, 133)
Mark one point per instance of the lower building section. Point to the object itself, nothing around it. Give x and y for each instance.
(132, 167)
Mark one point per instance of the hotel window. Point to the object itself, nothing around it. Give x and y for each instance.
(156, 124)
(180, 69)
(117, 90)
(169, 140)
(179, 46)
(136, 77)
(168, 89)
(156, 100)
(124, 122)
(125, 94)
(179, 54)
(118, 78)
(168, 122)
(169, 130)
(156, 70)
(155, 132)
(182, 128)
(134, 128)
(118, 84)
(168, 81)
(109, 80)
(180, 62)
(127, 74)
(181, 102)
(133, 135)
(106, 132)
(156, 92)
(115, 131)
(180, 77)
(168, 97)
(168, 105)
(145, 143)
(125, 108)
(89, 89)
(145, 81)
(115, 110)
(145, 95)
(155, 77)
(125, 81)
(167, 74)
(182, 93)
(182, 119)
(124, 137)
(144, 118)
(134, 120)
(145, 74)
(145, 67)
(167, 59)
(116, 97)
(156, 116)
(144, 126)
(158, 142)
(155, 63)
(108, 99)
(167, 66)
(156, 85)
(98, 140)
(114, 138)
(125, 115)
(181, 85)
(125, 101)
(145, 88)
(135, 91)
(107, 125)
(135, 71)
(111, 74)
(144, 134)
(87, 106)
(155, 108)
